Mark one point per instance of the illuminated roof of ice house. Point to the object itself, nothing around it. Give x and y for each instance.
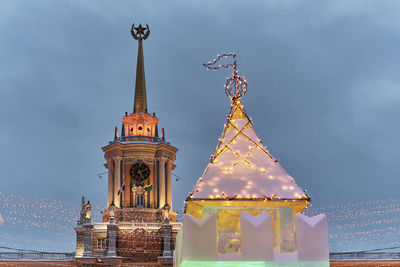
(241, 167)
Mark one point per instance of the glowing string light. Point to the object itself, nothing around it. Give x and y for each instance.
(234, 82)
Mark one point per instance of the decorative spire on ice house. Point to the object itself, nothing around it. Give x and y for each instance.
(241, 167)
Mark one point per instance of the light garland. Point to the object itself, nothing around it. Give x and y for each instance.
(235, 82)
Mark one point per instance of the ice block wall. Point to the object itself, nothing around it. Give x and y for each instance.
(178, 248)
(312, 238)
(256, 237)
(197, 242)
(199, 238)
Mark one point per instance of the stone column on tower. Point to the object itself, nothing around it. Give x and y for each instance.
(155, 185)
(126, 195)
(145, 199)
(169, 182)
(122, 181)
(111, 189)
(161, 180)
(117, 181)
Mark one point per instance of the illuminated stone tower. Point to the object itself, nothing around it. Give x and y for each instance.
(139, 161)
(139, 223)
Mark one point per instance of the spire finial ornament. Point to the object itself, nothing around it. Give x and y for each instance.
(140, 32)
(235, 82)
(140, 102)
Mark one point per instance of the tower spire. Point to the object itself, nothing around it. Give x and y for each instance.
(140, 102)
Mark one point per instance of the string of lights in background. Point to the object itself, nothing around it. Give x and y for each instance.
(362, 226)
(47, 225)
(39, 224)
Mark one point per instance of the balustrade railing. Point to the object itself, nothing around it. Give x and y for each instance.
(36, 256)
(145, 225)
(139, 138)
(333, 256)
(341, 256)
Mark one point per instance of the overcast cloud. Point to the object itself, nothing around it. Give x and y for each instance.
(323, 92)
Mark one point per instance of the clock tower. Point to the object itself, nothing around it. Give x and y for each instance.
(139, 160)
(139, 224)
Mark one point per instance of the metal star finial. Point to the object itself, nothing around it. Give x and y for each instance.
(141, 33)
(236, 86)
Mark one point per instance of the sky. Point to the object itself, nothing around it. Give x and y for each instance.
(323, 90)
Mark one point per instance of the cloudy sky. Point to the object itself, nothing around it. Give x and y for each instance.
(323, 92)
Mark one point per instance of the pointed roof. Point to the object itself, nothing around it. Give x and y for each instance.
(140, 102)
(241, 167)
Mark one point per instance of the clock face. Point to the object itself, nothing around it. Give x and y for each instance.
(140, 172)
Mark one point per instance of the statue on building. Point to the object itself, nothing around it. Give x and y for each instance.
(88, 210)
(111, 210)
